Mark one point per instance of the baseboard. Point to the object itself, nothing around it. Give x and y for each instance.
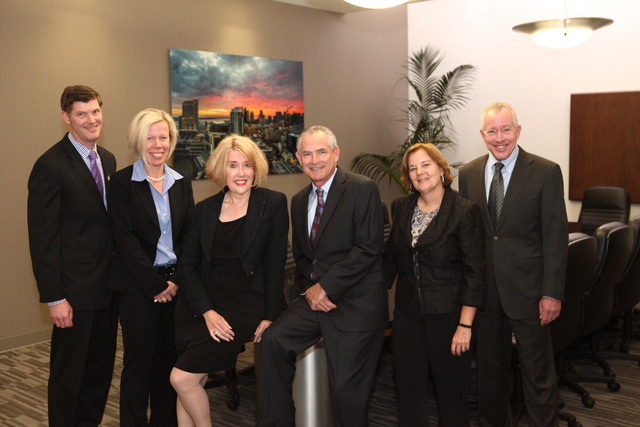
(22, 340)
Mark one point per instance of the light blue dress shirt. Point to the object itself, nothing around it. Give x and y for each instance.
(165, 254)
(509, 164)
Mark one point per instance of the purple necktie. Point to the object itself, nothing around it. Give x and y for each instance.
(95, 171)
(316, 218)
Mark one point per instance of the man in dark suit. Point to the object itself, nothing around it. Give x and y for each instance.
(337, 252)
(70, 243)
(526, 265)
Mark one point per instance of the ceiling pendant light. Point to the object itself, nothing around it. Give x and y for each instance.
(562, 33)
(376, 4)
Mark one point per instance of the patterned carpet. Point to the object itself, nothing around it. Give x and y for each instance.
(24, 371)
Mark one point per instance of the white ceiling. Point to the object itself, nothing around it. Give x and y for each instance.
(339, 6)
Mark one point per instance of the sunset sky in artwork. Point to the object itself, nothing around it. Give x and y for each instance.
(221, 82)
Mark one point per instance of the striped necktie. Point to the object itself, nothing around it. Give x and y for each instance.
(496, 194)
(95, 171)
(318, 215)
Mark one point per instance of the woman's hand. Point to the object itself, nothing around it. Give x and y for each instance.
(218, 327)
(168, 294)
(461, 341)
(257, 336)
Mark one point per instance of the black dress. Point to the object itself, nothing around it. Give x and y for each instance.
(228, 290)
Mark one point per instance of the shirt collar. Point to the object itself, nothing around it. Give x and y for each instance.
(140, 173)
(508, 163)
(326, 185)
(81, 148)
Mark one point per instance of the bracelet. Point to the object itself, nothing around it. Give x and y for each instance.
(464, 325)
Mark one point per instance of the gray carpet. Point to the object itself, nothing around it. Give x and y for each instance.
(24, 370)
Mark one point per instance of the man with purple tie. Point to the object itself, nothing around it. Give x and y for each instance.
(70, 243)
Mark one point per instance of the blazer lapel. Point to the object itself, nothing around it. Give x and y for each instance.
(335, 193)
(78, 164)
(299, 226)
(255, 210)
(438, 225)
(177, 202)
(143, 194)
(208, 220)
(521, 172)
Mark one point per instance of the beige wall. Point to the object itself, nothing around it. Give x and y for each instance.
(352, 65)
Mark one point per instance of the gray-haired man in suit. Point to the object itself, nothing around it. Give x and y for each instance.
(337, 252)
(522, 202)
(70, 243)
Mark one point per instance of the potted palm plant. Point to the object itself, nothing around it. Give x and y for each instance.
(427, 115)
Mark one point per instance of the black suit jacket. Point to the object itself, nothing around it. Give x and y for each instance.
(527, 252)
(136, 231)
(445, 270)
(69, 235)
(264, 251)
(346, 255)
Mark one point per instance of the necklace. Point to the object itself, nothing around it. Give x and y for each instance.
(155, 179)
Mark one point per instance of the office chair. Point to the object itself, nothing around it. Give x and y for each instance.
(614, 247)
(627, 296)
(582, 255)
(601, 205)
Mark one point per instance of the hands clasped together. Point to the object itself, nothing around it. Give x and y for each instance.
(168, 294)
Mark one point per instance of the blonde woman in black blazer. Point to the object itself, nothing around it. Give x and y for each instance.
(232, 273)
(149, 205)
(436, 251)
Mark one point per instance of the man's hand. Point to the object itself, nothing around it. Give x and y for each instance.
(549, 310)
(318, 300)
(62, 314)
(257, 336)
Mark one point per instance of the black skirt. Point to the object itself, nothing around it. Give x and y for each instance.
(229, 293)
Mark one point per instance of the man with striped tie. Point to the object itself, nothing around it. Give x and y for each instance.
(337, 241)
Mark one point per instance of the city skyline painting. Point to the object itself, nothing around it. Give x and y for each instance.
(215, 94)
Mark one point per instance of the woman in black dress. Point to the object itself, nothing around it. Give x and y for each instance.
(231, 272)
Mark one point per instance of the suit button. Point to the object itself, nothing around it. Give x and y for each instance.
(315, 261)
(495, 237)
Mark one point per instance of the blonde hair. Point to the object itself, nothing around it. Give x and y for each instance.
(139, 130)
(435, 155)
(216, 167)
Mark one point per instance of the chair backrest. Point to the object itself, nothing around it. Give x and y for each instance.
(615, 246)
(601, 205)
(582, 254)
(628, 289)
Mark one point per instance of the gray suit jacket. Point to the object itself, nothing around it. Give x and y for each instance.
(346, 255)
(527, 252)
